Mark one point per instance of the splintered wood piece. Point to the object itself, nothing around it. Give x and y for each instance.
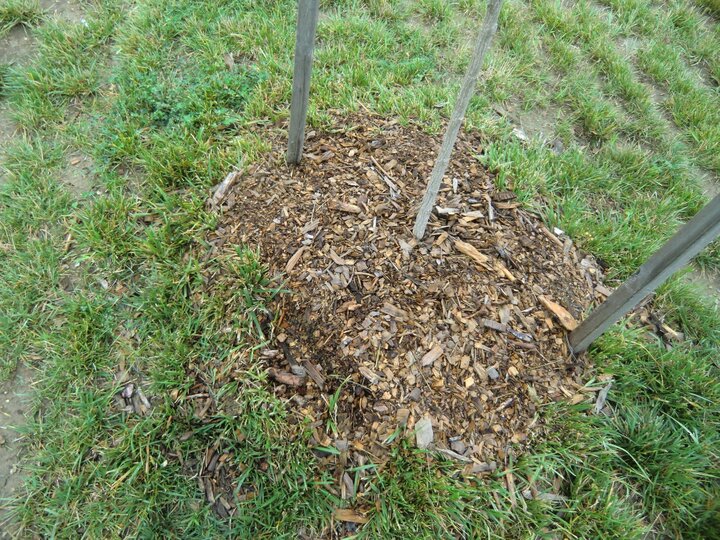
(432, 355)
(567, 320)
(221, 190)
(294, 259)
(471, 251)
(310, 226)
(494, 325)
(315, 375)
(394, 311)
(346, 207)
(369, 374)
(337, 259)
(350, 516)
(472, 216)
(501, 269)
(283, 377)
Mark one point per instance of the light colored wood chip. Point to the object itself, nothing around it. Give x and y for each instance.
(424, 433)
(337, 259)
(310, 226)
(369, 374)
(349, 515)
(501, 269)
(222, 189)
(470, 251)
(294, 259)
(432, 355)
(346, 207)
(394, 311)
(567, 320)
(472, 216)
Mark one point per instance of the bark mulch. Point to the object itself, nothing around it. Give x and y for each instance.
(455, 342)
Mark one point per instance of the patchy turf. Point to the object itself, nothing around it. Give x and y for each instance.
(102, 285)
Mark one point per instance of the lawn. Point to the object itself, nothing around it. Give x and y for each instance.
(128, 116)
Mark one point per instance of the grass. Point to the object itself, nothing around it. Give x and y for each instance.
(95, 285)
(15, 12)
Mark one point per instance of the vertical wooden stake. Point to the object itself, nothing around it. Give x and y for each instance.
(304, 44)
(458, 115)
(673, 255)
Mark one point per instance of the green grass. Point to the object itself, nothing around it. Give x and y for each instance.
(94, 285)
(15, 12)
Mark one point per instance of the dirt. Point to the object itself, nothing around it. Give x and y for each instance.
(67, 10)
(710, 281)
(14, 407)
(77, 174)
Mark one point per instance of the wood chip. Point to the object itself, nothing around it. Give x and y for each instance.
(346, 207)
(424, 433)
(602, 398)
(563, 315)
(315, 375)
(430, 356)
(294, 259)
(370, 375)
(221, 190)
(350, 516)
(471, 251)
(283, 377)
(394, 311)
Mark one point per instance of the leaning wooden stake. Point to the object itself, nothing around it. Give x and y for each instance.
(676, 253)
(468, 87)
(304, 44)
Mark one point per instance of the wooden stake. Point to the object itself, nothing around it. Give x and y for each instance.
(458, 115)
(676, 253)
(304, 44)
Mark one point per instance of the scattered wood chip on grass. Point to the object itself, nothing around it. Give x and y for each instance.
(350, 516)
(221, 190)
(602, 398)
(562, 314)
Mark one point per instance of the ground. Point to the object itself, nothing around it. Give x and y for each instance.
(118, 117)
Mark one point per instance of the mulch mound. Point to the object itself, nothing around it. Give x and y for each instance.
(455, 341)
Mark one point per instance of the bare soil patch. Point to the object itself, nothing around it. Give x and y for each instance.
(14, 406)
(455, 342)
(77, 175)
(67, 10)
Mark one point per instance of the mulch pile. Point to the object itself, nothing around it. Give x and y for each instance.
(455, 341)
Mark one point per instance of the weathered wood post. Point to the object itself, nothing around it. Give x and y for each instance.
(673, 255)
(304, 44)
(458, 115)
